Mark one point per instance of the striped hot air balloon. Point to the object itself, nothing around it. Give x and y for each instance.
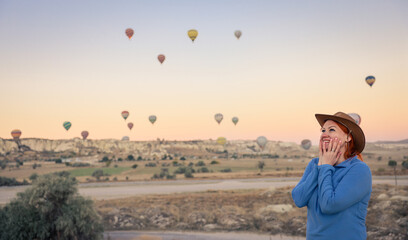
(129, 32)
(16, 133)
(125, 114)
(218, 117)
(67, 125)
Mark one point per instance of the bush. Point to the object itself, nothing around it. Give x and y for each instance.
(130, 158)
(226, 170)
(200, 164)
(33, 177)
(120, 159)
(183, 159)
(134, 166)
(5, 181)
(105, 159)
(115, 179)
(139, 158)
(99, 173)
(150, 165)
(115, 166)
(80, 164)
(50, 209)
(164, 172)
(405, 164)
(203, 170)
(188, 173)
(190, 164)
(214, 162)
(58, 160)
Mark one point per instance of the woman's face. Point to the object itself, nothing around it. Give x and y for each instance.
(331, 130)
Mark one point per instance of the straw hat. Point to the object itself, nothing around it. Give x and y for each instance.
(349, 123)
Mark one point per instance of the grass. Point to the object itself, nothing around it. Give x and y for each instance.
(81, 172)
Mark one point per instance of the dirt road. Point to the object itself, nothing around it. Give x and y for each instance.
(141, 235)
(111, 190)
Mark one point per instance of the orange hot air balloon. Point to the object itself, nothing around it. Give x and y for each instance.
(130, 125)
(129, 32)
(161, 58)
(16, 133)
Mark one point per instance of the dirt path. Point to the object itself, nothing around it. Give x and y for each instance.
(142, 235)
(112, 190)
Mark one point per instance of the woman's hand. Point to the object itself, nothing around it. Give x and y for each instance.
(330, 155)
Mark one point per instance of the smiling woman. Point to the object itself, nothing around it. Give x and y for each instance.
(336, 187)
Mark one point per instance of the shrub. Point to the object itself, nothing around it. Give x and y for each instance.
(214, 162)
(130, 158)
(35, 165)
(183, 159)
(150, 165)
(99, 173)
(200, 163)
(204, 170)
(405, 164)
(134, 166)
(58, 160)
(80, 164)
(115, 179)
(139, 158)
(33, 177)
(30, 217)
(105, 159)
(5, 181)
(188, 173)
(226, 170)
(120, 159)
(190, 164)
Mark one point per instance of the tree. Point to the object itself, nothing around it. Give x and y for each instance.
(405, 164)
(51, 209)
(130, 158)
(98, 174)
(393, 164)
(261, 165)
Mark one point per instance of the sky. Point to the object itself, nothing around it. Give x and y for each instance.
(71, 61)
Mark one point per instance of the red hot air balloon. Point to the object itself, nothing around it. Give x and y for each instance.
(129, 33)
(161, 58)
(125, 114)
(16, 133)
(130, 125)
(84, 134)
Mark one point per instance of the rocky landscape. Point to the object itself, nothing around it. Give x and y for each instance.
(268, 211)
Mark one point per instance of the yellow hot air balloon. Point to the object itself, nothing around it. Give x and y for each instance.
(221, 141)
(192, 34)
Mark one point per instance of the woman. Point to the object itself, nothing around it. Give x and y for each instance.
(336, 187)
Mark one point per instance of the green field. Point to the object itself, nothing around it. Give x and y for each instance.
(88, 171)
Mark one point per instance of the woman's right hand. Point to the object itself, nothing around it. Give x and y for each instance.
(330, 155)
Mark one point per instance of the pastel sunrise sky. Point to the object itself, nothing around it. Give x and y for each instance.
(71, 61)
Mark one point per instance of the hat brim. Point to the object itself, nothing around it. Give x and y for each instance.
(356, 131)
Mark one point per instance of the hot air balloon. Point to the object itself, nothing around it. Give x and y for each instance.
(125, 114)
(261, 141)
(370, 80)
(129, 32)
(238, 34)
(16, 133)
(235, 120)
(192, 34)
(130, 125)
(125, 138)
(67, 125)
(218, 117)
(152, 119)
(161, 58)
(221, 140)
(356, 117)
(306, 144)
(84, 134)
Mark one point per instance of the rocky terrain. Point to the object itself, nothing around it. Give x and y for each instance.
(268, 211)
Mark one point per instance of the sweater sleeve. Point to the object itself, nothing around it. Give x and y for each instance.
(304, 189)
(351, 189)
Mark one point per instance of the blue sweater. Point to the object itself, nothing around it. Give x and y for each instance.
(336, 198)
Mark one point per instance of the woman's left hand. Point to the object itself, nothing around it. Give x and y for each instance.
(330, 155)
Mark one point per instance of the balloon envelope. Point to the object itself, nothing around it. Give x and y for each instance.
(238, 34)
(152, 119)
(161, 58)
(218, 117)
(306, 144)
(84, 134)
(129, 32)
(125, 114)
(235, 120)
(16, 133)
(261, 141)
(221, 140)
(130, 125)
(67, 125)
(192, 34)
(370, 80)
(356, 117)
